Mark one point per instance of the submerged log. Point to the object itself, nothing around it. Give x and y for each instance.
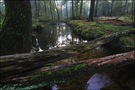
(19, 63)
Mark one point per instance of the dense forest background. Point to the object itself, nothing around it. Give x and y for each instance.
(20, 15)
(66, 42)
(77, 9)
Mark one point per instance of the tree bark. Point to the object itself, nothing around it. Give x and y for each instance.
(51, 9)
(15, 36)
(104, 64)
(36, 9)
(111, 11)
(73, 9)
(111, 60)
(91, 10)
(81, 7)
(133, 14)
(96, 8)
(45, 9)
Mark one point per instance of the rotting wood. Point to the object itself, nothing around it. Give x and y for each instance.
(18, 63)
(99, 64)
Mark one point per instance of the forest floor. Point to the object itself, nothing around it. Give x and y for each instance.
(22, 78)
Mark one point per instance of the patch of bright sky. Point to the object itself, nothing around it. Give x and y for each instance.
(1, 0)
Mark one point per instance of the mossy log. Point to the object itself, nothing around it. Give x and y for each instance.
(19, 63)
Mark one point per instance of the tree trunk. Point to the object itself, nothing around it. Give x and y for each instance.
(15, 36)
(96, 8)
(91, 10)
(45, 9)
(83, 68)
(67, 10)
(81, 7)
(51, 9)
(111, 11)
(36, 9)
(58, 16)
(133, 14)
(73, 9)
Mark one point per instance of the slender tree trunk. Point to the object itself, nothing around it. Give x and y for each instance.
(58, 16)
(67, 10)
(45, 8)
(111, 11)
(36, 9)
(81, 7)
(91, 10)
(96, 8)
(15, 35)
(51, 9)
(73, 9)
(61, 12)
(125, 7)
(133, 13)
(76, 7)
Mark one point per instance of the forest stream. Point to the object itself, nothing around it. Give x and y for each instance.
(56, 35)
(67, 44)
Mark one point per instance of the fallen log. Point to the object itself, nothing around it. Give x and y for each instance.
(111, 60)
(19, 63)
(87, 67)
(80, 69)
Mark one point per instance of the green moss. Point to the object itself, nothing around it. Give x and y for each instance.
(127, 18)
(92, 30)
(66, 73)
(127, 41)
(123, 44)
(41, 21)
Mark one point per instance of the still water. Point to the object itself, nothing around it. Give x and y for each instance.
(56, 35)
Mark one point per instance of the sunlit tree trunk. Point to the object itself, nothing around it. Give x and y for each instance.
(15, 35)
(58, 16)
(96, 8)
(91, 10)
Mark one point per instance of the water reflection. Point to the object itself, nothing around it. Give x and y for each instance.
(54, 87)
(59, 35)
(98, 81)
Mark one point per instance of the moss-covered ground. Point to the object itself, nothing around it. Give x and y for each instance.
(93, 30)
